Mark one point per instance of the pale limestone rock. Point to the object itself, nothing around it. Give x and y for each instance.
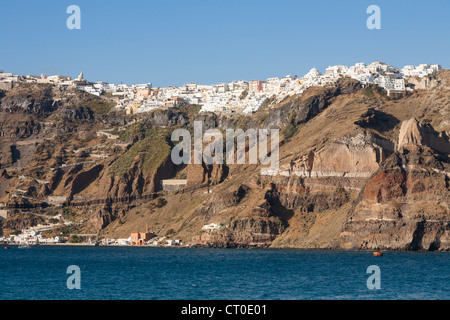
(410, 133)
(351, 156)
(413, 133)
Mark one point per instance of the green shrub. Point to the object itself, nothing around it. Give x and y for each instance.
(75, 239)
(53, 221)
(160, 202)
(263, 117)
(368, 93)
(289, 131)
(68, 213)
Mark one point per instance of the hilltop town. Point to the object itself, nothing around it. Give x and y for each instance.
(236, 96)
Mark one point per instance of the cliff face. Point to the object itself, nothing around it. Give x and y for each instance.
(30, 99)
(361, 173)
(413, 133)
(19, 221)
(248, 232)
(358, 170)
(18, 126)
(358, 155)
(404, 206)
(303, 108)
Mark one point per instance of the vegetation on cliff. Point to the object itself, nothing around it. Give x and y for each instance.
(152, 148)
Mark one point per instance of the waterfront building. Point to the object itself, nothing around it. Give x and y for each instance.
(140, 238)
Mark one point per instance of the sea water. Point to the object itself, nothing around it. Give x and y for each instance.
(186, 273)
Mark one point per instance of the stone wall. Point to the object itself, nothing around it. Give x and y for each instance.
(173, 184)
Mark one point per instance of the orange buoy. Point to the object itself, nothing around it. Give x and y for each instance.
(377, 254)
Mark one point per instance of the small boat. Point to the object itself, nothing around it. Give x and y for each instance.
(24, 246)
(377, 254)
(6, 248)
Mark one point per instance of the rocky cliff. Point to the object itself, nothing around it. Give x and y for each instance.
(404, 206)
(358, 169)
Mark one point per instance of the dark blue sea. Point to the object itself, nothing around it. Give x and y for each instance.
(235, 274)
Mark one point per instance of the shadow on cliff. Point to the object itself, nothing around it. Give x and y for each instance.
(378, 120)
(15, 154)
(416, 243)
(277, 208)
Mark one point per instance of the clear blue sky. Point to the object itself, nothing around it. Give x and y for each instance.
(211, 41)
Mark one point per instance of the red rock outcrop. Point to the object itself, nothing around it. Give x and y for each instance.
(404, 206)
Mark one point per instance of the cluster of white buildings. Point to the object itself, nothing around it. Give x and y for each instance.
(236, 96)
(30, 237)
(420, 71)
(388, 77)
(57, 79)
(249, 96)
(155, 242)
